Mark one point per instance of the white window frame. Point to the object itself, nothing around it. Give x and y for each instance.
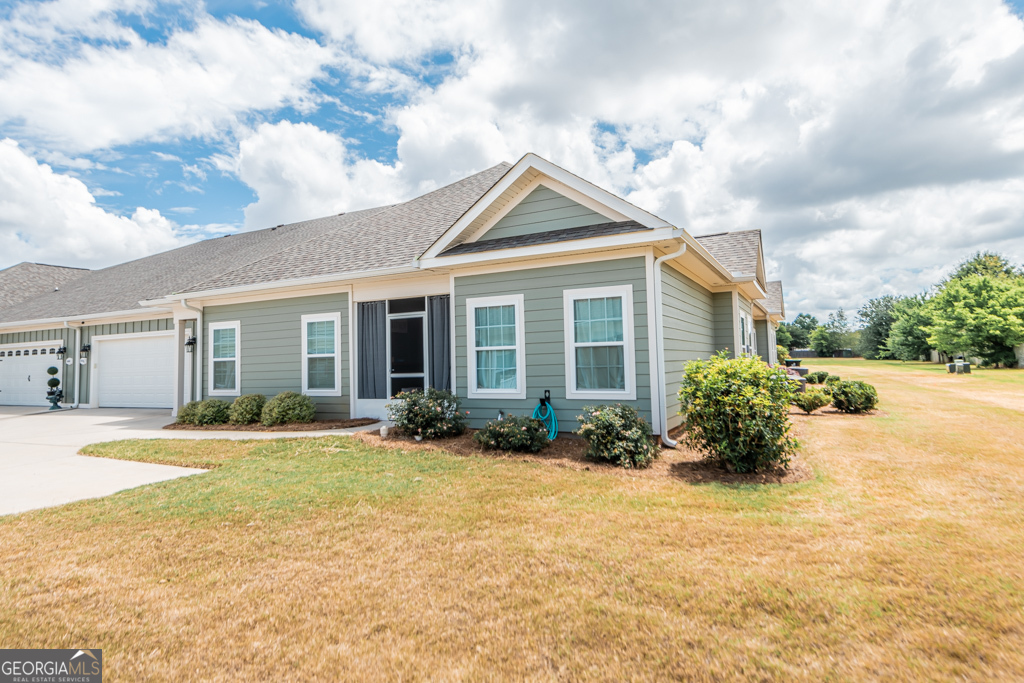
(315, 318)
(235, 325)
(515, 300)
(569, 296)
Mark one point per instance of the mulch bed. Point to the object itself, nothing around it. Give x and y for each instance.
(569, 451)
(293, 427)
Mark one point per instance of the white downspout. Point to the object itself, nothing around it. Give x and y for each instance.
(197, 383)
(78, 366)
(660, 342)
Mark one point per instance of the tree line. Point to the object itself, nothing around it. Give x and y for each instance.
(976, 312)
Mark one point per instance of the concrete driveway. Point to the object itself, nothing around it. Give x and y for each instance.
(40, 465)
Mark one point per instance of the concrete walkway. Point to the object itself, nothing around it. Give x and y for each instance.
(39, 461)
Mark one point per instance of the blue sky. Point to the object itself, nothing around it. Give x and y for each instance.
(874, 145)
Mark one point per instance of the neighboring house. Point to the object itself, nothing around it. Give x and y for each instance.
(519, 279)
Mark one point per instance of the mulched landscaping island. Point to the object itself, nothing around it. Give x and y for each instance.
(293, 427)
(680, 463)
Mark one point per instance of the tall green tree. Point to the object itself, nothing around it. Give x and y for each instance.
(908, 335)
(877, 317)
(979, 315)
(987, 263)
(800, 330)
(833, 336)
(783, 336)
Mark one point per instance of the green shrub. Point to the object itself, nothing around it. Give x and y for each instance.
(854, 397)
(781, 352)
(432, 414)
(812, 399)
(817, 377)
(833, 379)
(212, 411)
(187, 413)
(514, 433)
(737, 412)
(288, 407)
(618, 433)
(247, 409)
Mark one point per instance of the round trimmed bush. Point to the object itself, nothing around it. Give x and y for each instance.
(288, 407)
(618, 433)
(247, 409)
(833, 379)
(737, 412)
(53, 382)
(811, 399)
(852, 396)
(212, 411)
(432, 414)
(781, 353)
(187, 413)
(514, 433)
(816, 377)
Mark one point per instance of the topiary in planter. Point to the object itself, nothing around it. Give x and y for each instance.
(514, 433)
(737, 412)
(431, 414)
(187, 413)
(618, 433)
(812, 399)
(854, 397)
(212, 411)
(247, 409)
(288, 407)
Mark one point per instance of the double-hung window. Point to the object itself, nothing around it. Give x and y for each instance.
(599, 359)
(321, 343)
(497, 363)
(225, 339)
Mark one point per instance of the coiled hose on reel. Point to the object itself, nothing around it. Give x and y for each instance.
(545, 412)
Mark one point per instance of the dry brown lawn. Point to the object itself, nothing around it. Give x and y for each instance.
(336, 559)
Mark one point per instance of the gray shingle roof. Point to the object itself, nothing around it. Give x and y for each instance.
(775, 302)
(564, 235)
(26, 280)
(737, 251)
(372, 239)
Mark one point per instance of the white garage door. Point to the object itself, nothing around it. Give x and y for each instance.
(23, 375)
(135, 372)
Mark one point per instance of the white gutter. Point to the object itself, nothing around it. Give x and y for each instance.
(279, 284)
(78, 366)
(197, 383)
(660, 342)
(86, 319)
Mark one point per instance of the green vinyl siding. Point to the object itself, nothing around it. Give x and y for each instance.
(745, 306)
(722, 305)
(134, 327)
(688, 317)
(61, 336)
(544, 333)
(270, 347)
(543, 210)
(761, 330)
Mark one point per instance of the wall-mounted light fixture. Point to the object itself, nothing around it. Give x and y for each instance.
(190, 345)
(61, 351)
(84, 353)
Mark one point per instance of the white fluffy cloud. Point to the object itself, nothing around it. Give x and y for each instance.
(874, 144)
(300, 172)
(48, 217)
(198, 83)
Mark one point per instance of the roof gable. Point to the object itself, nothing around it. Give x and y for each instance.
(542, 209)
(527, 175)
(740, 252)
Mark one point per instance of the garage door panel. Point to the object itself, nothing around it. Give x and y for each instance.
(135, 372)
(23, 378)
